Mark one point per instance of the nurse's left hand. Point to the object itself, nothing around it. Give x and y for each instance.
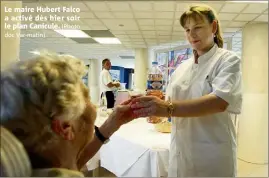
(145, 106)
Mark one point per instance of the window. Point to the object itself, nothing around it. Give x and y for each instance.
(162, 59)
(170, 60)
(85, 77)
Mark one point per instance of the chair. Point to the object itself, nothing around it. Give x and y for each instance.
(14, 158)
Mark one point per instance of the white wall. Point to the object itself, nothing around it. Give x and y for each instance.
(10, 46)
(151, 57)
(130, 63)
(126, 63)
(253, 121)
(93, 80)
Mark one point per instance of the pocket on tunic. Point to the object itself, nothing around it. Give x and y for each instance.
(203, 87)
(207, 87)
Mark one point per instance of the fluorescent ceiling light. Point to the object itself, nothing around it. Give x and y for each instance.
(249, 1)
(107, 40)
(73, 33)
(35, 52)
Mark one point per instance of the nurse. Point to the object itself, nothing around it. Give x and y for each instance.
(203, 96)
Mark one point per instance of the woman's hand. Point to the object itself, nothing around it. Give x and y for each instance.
(122, 114)
(149, 106)
(117, 84)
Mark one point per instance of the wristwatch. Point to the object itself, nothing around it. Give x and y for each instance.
(100, 136)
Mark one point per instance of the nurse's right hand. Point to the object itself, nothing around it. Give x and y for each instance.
(145, 106)
(117, 84)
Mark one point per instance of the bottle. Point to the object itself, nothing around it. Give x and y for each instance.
(155, 78)
(154, 87)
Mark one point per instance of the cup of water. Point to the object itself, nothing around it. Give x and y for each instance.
(123, 86)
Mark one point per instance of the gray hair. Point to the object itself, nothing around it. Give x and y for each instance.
(33, 91)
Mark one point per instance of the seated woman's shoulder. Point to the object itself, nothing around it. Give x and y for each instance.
(56, 172)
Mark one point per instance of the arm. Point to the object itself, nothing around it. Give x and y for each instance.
(107, 129)
(108, 81)
(209, 104)
(122, 114)
(113, 84)
(226, 95)
(153, 106)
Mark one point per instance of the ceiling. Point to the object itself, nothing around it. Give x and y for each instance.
(137, 24)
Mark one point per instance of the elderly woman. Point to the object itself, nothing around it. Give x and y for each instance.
(47, 107)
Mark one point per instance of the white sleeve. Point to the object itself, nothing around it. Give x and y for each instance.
(106, 78)
(227, 83)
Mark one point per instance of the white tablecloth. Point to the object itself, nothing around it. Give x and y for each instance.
(94, 162)
(137, 150)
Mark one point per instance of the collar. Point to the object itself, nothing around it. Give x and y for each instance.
(208, 54)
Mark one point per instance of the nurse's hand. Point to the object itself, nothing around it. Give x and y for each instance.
(145, 106)
(117, 84)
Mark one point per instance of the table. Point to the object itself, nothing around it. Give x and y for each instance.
(137, 150)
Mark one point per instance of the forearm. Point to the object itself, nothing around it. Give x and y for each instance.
(90, 150)
(107, 129)
(209, 104)
(109, 126)
(111, 84)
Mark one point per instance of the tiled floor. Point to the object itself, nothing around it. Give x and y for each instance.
(244, 170)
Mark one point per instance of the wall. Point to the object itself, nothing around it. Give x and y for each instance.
(126, 63)
(253, 121)
(10, 46)
(124, 74)
(122, 71)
